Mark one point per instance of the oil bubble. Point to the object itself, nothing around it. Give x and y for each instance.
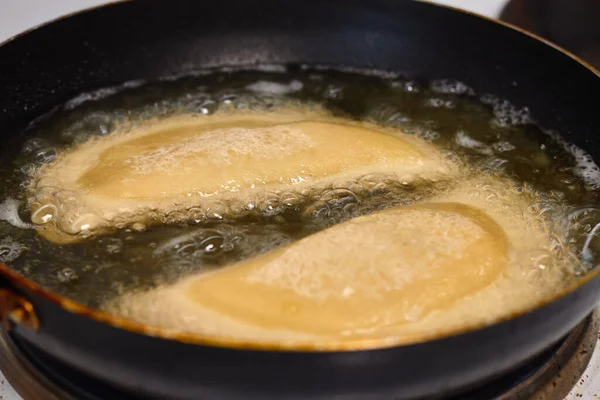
(115, 246)
(67, 275)
(9, 212)
(94, 124)
(204, 106)
(333, 92)
(448, 86)
(10, 249)
(502, 147)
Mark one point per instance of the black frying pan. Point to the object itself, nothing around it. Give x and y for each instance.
(149, 39)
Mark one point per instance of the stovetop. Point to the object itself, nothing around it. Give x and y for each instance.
(19, 15)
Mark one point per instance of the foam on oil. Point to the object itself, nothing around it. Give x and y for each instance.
(486, 133)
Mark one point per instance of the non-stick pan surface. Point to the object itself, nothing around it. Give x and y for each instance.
(150, 39)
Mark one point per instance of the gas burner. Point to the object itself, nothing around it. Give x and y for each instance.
(550, 376)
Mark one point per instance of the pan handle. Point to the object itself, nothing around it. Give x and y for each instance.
(14, 308)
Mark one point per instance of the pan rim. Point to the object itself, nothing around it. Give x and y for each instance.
(325, 345)
(303, 345)
(426, 2)
(60, 18)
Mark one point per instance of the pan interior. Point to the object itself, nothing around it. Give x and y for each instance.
(487, 136)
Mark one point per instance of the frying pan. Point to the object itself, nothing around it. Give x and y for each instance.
(146, 40)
